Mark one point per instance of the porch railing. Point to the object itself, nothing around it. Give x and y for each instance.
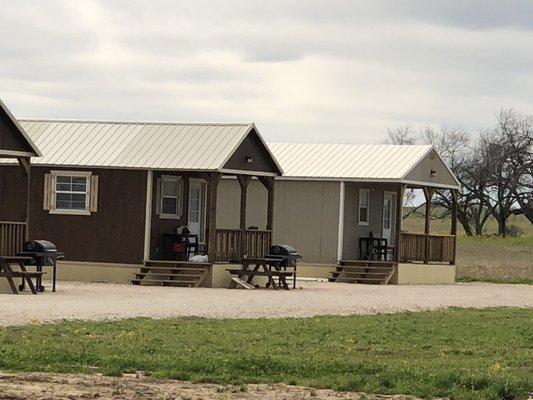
(234, 244)
(413, 248)
(12, 237)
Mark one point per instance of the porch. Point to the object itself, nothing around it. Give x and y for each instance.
(375, 241)
(197, 205)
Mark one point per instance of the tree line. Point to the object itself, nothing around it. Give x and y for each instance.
(494, 168)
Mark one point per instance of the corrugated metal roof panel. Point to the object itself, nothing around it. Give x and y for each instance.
(135, 145)
(347, 161)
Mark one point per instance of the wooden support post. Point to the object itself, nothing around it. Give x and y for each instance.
(25, 163)
(453, 230)
(270, 184)
(211, 226)
(428, 194)
(244, 180)
(399, 219)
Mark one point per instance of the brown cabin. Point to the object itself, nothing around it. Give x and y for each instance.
(111, 192)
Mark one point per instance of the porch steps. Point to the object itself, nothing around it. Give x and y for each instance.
(368, 272)
(171, 273)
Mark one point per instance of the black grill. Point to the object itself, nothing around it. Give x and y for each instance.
(284, 252)
(43, 253)
(286, 257)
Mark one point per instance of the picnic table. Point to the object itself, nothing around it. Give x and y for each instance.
(269, 267)
(6, 271)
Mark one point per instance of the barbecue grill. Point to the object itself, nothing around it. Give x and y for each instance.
(286, 257)
(43, 253)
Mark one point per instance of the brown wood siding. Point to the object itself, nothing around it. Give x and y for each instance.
(113, 234)
(252, 146)
(13, 189)
(10, 137)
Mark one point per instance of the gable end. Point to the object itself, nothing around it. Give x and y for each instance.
(252, 155)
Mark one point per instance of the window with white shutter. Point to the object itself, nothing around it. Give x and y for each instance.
(70, 192)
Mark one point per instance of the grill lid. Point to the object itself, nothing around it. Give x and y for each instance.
(40, 246)
(284, 250)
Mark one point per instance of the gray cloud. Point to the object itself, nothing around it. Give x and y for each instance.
(303, 70)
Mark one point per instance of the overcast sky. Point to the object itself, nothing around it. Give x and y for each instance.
(331, 71)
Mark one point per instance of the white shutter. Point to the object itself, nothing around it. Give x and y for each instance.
(158, 196)
(93, 193)
(48, 192)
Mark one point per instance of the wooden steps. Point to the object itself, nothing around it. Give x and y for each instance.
(368, 272)
(171, 273)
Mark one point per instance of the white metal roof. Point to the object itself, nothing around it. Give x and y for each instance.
(333, 161)
(146, 145)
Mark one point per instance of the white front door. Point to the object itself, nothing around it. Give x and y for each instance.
(196, 217)
(389, 216)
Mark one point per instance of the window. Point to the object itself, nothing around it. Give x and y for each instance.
(170, 197)
(70, 192)
(364, 197)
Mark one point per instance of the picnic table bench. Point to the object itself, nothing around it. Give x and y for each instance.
(271, 268)
(6, 271)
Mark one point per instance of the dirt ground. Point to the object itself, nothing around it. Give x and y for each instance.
(41, 386)
(94, 301)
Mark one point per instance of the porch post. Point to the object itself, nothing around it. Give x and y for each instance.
(211, 226)
(453, 230)
(269, 184)
(428, 194)
(244, 180)
(25, 163)
(399, 219)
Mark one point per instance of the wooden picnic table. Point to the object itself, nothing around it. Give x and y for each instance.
(251, 267)
(6, 271)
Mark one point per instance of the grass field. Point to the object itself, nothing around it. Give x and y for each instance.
(462, 353)
(488, 258)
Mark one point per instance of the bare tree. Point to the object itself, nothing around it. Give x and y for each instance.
(401, 135)
(507, 152)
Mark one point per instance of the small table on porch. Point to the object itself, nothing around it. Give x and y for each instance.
(270, 268)
(6, 271)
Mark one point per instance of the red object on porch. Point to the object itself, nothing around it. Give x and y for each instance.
(178, 247)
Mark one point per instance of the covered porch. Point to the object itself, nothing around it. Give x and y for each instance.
(198, 197)
(373, 212)
(404, 254)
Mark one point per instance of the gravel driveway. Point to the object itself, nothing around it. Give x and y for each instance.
(76, 300)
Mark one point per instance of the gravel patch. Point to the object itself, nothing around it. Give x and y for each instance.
(97, 301)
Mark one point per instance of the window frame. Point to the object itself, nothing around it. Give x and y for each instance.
(360, 205)
(67, 211)
(179, 197)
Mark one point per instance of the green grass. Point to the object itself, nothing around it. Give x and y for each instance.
(461, 353)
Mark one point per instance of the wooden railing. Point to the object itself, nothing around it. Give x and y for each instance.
(413, 248)
(234, 244)
(12, 236)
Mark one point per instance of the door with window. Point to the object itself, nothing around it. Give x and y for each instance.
(389, 217)
(197, 201)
